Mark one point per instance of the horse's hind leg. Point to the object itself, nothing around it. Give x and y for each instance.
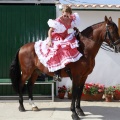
(21, 90)
(30, 89)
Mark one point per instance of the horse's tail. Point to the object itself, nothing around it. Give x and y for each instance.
(15, 73)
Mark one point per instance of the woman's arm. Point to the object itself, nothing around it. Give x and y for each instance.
(50, 36)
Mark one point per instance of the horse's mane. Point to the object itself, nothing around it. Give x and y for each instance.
(89, 30)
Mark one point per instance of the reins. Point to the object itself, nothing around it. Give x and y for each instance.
(107, 34)
(104, 47)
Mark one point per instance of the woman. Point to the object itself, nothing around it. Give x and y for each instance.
(60, 48)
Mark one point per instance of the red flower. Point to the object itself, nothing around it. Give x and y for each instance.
(92, 88)
(117, 89)
(100, 90)
(62, 89)
(117, 92)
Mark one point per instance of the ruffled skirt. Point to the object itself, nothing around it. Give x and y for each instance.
(60, 54)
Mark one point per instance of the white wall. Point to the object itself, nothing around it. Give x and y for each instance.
(89, 18)
(107, 67)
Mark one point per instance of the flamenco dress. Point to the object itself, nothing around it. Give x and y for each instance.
(64, 45)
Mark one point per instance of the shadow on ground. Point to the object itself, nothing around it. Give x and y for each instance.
(104, 113)
(94, 112)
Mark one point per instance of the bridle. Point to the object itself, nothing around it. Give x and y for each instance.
(108, 35)
(112, 43)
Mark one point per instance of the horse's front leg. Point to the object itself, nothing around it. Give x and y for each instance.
(74, 95)
(30, 89)
(79, 94)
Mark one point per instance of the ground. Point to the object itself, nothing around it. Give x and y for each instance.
(59, 110)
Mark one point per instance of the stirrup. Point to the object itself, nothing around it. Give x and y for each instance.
(57, 78)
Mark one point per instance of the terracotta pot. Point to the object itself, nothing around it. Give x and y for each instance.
(69, 95)
(116, 96)
(61, 95)
(96, 97)
(108, 98)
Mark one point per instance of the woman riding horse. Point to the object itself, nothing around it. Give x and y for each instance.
(60, 48)
(26, 64)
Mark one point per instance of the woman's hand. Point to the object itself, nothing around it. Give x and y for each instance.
(50, 43)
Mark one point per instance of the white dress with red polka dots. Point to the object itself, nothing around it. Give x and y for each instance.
(64, 45)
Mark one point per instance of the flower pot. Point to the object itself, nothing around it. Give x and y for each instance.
(95, 97)
(108, 98)
(69, 95)
(116, 96)
(61, 95)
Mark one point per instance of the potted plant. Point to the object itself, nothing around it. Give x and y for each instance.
(116, 95)
(93, 92)
(61, 91)
(69, 92)
(109, 91)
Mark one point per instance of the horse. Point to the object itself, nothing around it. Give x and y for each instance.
(25, 65)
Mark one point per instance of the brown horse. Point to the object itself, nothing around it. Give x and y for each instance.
(25, 66)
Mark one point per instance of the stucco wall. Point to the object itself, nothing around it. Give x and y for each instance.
(107, 67)
(89, 18)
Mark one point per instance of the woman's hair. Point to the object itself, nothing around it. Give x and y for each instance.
(67, 9)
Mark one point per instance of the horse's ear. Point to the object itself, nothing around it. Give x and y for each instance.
(110, 19)
(106, 19)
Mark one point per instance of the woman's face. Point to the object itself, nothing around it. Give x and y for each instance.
(66, 15)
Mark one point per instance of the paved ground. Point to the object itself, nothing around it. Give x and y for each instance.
(59, 110)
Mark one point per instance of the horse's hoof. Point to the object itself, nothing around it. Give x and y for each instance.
(21, 109)
(75, 117)
(35, 109)
(80, 112)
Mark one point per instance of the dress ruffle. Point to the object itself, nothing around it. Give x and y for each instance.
(62, 58)
(41, 56)
(56, 58)
(59, 28)
(76, 20)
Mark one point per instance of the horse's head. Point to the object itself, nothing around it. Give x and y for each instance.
(111, 35)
